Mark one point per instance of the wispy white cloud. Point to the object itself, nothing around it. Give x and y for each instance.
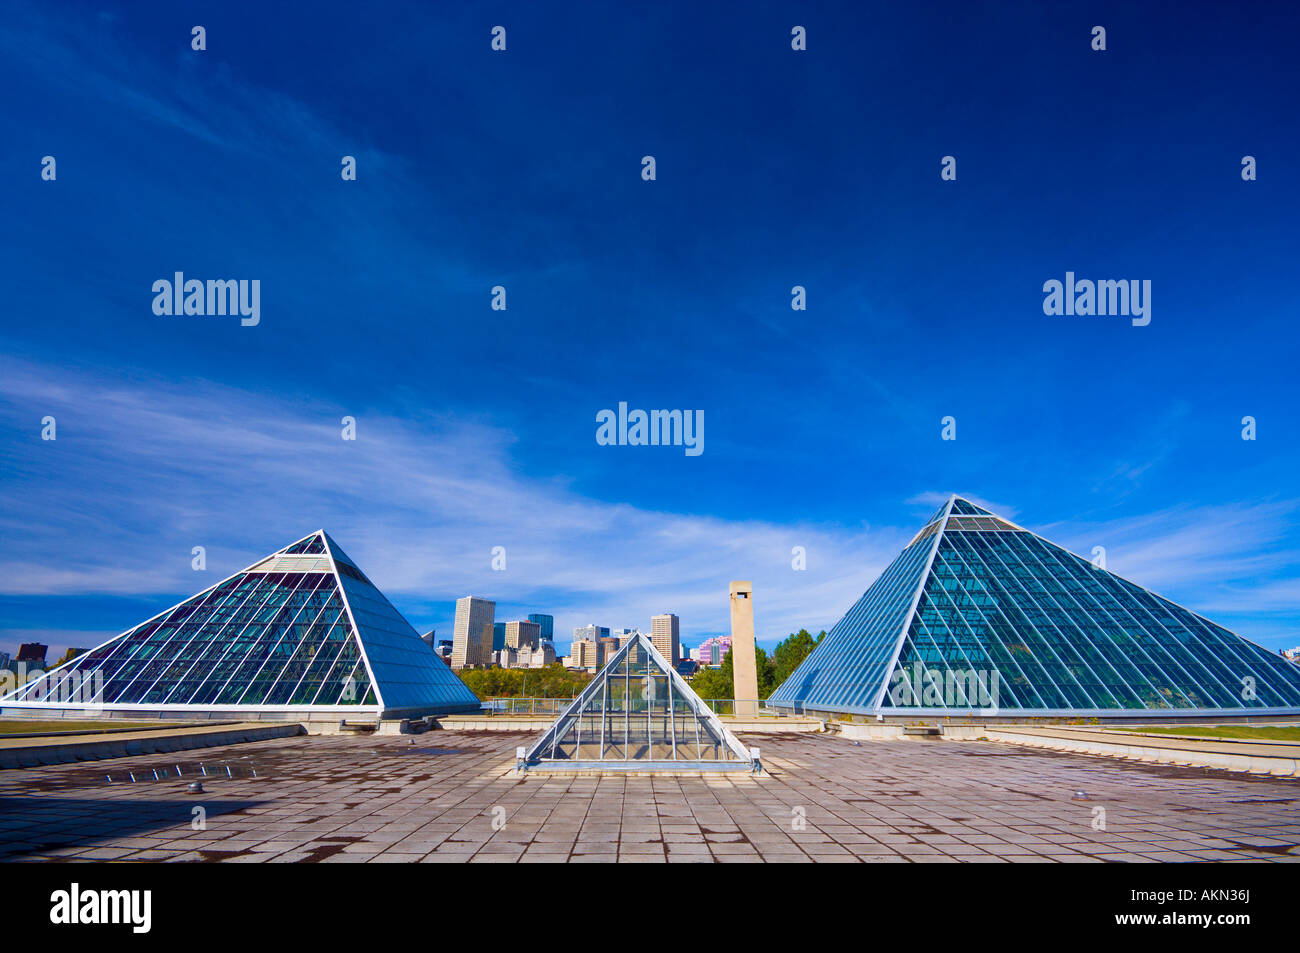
(1235, 559)
(143, 471)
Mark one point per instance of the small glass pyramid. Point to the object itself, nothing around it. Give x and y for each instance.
(638, 714)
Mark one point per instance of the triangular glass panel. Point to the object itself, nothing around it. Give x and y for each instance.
(638, 714)
(962, 507)
(311, 545)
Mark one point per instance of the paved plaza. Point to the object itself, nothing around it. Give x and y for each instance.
(451, 796)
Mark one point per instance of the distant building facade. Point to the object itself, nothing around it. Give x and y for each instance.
(713, 651)
(584, 653)
(593, 632)
(472, 637)
(32, 654)
(665, 634)
(547, 624)
(521, 634)
(607, 647)
(539, 657)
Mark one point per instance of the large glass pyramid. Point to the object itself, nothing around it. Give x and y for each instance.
(980, 616)
(302, 629)
(638, 714)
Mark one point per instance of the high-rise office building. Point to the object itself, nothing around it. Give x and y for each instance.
(472, 638)
(584, 653)
(520, 634)
(607, 647)
(713, 650)
(593, 632)
(32, 654)
(546, 622)
(624, 635)
(498, 636)
(665, 633)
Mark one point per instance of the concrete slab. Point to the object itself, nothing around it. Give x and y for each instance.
(345, 799)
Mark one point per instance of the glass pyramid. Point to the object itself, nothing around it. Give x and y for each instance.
(302, 629)
(638, 714)
(980, 616)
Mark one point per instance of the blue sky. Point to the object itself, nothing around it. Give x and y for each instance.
(476, 428)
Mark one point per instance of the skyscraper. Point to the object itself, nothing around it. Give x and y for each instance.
(498, 636)
(713, 650)
(520, 634)
(546, 622)
(32, 654)
(593, 632)
(472, 638)
(583, 654)
(607, 647)
(665, 633)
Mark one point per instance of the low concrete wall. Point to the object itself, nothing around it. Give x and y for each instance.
(1278, 759)
(755, 725)
(60, 749)
(495, 722)
(775, 726)
(884, 731)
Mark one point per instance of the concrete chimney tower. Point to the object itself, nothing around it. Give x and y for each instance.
(742, 649)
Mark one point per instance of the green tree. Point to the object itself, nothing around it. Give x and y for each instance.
(720, 682)
(711, 683)
(788, 654)
(553, 681)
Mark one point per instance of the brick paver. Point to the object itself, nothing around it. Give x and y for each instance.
(451, 797)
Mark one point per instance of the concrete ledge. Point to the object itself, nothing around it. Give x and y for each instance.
(1277, 759)
(772, 725)
(496, 722)
(32, 751)
(884, 731)
(756, 725)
